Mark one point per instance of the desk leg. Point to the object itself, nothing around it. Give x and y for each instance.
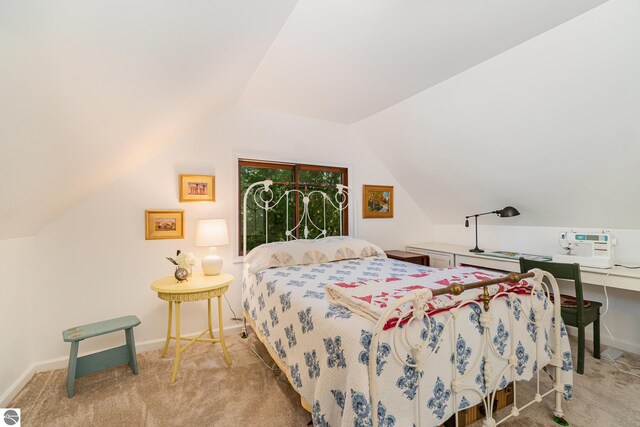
(221, 331)
(209, 318)
(176, 361)
(166, 343)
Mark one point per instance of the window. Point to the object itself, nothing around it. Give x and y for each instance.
(288, 176)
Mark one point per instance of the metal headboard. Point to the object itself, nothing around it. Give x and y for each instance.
(263, 196)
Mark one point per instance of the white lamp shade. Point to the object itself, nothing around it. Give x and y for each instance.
(212, 232)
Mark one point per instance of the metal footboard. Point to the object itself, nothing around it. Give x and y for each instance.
(420, 355)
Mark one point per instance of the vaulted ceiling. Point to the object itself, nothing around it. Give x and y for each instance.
(346, 60)
(551, 127)
(90, 90)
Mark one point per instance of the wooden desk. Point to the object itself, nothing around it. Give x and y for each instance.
(198, 287)
(454, 255)
(411, 257)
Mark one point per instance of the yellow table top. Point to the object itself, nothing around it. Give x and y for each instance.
(196, 283)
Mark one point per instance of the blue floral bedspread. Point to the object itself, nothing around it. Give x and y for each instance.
(326, 347)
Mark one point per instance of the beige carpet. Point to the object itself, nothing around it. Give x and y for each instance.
(208, 392)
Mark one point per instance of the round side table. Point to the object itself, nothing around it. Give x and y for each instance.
(198, 287)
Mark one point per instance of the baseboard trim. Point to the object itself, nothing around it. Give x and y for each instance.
(17, 385)
(61, 362)
(605, 340)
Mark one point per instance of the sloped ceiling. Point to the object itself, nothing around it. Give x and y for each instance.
(345, 60)
(91, 89)
(551, 127)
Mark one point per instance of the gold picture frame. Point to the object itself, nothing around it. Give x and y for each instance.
(164, 224)
(377, 201)
(197, 188)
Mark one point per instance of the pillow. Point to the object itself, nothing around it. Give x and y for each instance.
(302, 251)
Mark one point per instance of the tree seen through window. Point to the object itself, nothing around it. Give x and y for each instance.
(286, 176)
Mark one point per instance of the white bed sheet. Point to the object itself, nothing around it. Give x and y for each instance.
(325, 347)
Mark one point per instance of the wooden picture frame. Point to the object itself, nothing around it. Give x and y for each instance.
(377, 201)
(164, 224)
(197, 188)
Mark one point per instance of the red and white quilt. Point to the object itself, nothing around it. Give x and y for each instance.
(370, 299)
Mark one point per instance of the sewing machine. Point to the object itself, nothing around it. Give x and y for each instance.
(587, 249)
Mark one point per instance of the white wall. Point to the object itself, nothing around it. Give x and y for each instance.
(109, 88)
(623, 304)
(94, 262)
(17, 325)
(541, 240)
(550, 126)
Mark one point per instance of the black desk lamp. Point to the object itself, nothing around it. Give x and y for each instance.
(503, 213)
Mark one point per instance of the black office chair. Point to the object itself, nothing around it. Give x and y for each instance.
(576, 311)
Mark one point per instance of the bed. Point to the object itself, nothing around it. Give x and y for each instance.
(436, 351)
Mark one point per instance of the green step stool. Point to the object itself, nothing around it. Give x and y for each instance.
(85, 365)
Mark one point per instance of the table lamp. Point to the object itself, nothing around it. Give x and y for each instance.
(212, 233)
(509, 211)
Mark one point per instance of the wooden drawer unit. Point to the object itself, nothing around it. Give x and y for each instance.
(414, 258)
(436, 259)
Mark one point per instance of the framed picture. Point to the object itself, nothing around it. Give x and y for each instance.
(164, 225)
(377, 201)
(197, 188)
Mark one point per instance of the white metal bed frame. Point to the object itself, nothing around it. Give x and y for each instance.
(414, 310)
(263, 198)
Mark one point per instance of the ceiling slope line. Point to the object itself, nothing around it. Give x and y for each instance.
(142, 113)
(519, 45)
(527, 129)
(266, 53)
(359, 137)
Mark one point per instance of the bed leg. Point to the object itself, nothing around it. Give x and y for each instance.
(244, 334)
(558, 415)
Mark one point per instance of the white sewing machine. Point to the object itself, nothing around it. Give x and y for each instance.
(587, 249)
